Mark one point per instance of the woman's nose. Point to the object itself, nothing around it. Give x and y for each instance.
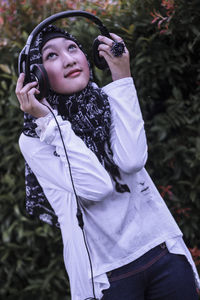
(68, 60)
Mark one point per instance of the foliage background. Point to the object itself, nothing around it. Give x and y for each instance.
(163, 38)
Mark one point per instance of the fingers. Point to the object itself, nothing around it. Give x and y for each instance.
(20, 83)
(105, 40)
(25, 94)
(27, 100)
(107, 45)
(116, 38)
(108, 41)
(20, 89)
(116, 55)
(104, 51)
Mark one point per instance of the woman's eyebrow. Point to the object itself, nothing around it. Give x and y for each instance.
(54, 47)
(49, 46)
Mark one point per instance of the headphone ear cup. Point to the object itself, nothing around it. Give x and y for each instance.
(99, 62)
(39, 74)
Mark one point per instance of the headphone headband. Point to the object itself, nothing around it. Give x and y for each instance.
(66, 14)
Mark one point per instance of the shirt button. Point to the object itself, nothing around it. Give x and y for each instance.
(163, 246)
(109, 274)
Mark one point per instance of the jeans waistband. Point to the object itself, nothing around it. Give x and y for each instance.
(140, 264)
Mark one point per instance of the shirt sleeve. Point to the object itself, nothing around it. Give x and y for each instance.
(47, 159)
(128, 139)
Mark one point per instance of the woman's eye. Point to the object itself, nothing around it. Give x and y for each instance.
(51, 55)
(72, 47)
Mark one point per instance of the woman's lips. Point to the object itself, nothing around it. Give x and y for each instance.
(73, 73)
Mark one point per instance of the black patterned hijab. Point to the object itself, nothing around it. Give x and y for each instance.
(88, 111)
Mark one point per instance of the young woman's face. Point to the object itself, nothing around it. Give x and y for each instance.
(66, 66)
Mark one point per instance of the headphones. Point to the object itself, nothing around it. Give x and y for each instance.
(37, 72)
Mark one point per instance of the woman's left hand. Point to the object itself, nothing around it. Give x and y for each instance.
(119, 65)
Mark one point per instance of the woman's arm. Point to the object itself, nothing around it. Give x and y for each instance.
(127, 134)
(128, 137)
(46, 158)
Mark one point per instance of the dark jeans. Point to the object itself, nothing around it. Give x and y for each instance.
(157, 275)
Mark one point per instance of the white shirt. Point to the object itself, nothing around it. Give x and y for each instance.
(119, 227)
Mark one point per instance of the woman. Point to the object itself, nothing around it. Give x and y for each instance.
(135, 246)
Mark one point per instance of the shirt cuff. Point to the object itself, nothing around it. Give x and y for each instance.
(43, 122)
(117, 83)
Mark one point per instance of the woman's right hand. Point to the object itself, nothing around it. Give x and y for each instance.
(27, 100)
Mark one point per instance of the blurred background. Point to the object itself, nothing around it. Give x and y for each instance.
(163, 38)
